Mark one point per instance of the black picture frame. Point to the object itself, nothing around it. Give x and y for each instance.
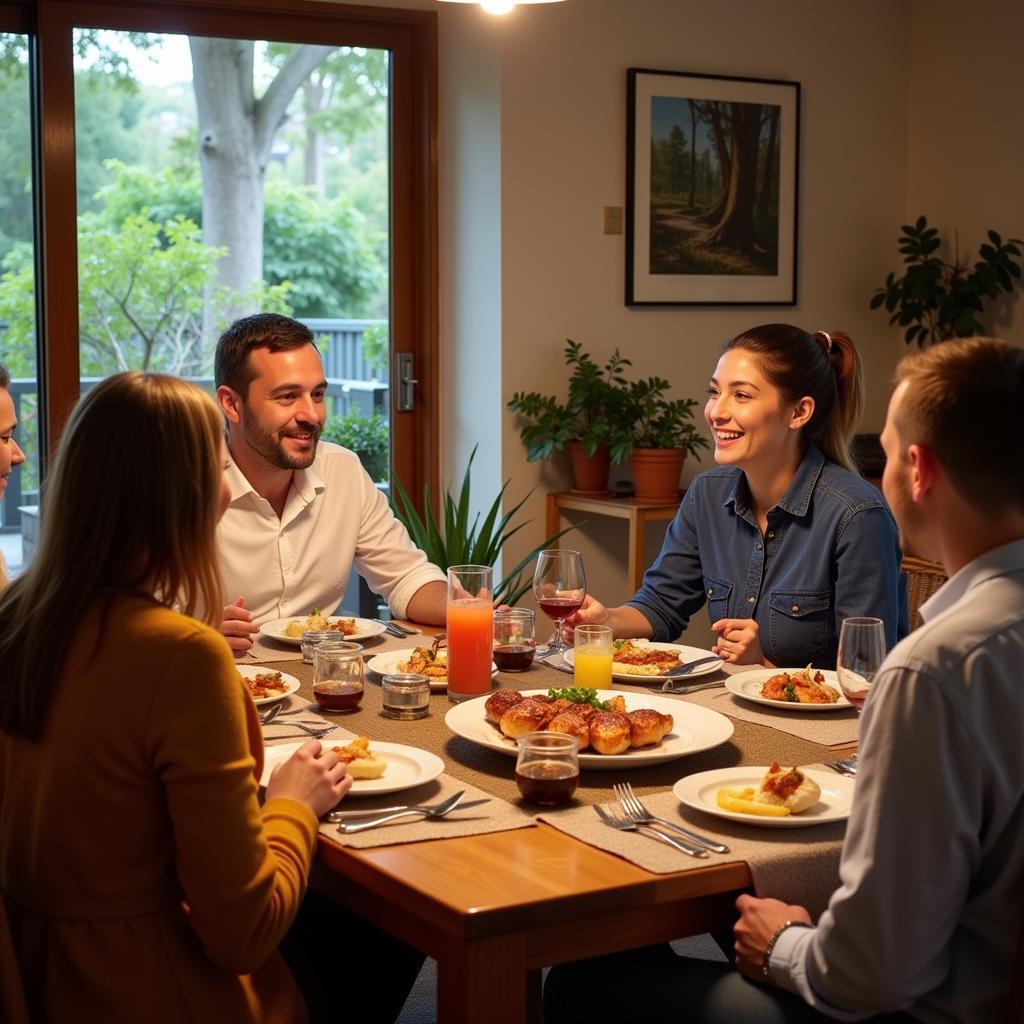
(697, 234)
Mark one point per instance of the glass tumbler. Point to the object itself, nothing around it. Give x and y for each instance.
(514, 640)
(548, 768)
(592, 656)
(338, 676)
(470, 627)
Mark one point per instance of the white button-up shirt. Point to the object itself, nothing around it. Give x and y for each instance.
(334, 517)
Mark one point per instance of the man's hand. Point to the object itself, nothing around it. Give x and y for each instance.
(738, 641)
(238, 626)
(759, 921)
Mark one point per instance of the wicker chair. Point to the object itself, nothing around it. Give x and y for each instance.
(923, 579)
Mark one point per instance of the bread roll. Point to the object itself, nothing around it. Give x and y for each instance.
(572, 724)
(499, 702)
(609, 732)
(648, 727)
(527, 716)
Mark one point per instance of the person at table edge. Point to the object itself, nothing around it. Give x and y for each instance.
(10, 454)
(783, 540)
(302, 512)
(928, 917)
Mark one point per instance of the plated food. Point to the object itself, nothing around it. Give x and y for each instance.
(265, 686)
(758, 795)
(395, 661)
(277, 629)
(789, 689)
(405, 767)
(361, 762)
(317, 623)
(604, 726)
(632, 658)
(693, 728)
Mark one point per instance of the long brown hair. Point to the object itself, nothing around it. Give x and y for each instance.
(825, 366)
(131, 504)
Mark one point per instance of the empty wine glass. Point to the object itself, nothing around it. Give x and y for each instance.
(559, 585)
(861, 653)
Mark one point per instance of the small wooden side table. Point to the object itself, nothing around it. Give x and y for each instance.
(638, 514)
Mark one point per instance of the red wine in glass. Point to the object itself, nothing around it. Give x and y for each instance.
(559, 585)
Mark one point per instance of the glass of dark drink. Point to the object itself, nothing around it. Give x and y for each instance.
(548, 768)
(514, 641)
(560, 586)
(338, 676)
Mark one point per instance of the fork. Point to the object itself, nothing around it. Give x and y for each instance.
(402, 632)
(437, 811)
(636, 811)
(845, 766)
(626, 825)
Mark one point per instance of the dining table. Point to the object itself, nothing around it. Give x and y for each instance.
(507, 889)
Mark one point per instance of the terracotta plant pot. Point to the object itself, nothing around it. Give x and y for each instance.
(656, 473)
(590, 472)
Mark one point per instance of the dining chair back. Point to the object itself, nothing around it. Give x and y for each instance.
(923, 579)
(1015, 1007)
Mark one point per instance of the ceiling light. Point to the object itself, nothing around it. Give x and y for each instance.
(501, 6)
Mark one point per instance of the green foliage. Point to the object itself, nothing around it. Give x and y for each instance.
(375, 346)
(935, 300)
(456, 541)
(367, 436)
(594, 413)
(659, 422)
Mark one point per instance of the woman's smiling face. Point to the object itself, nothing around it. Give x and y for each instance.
(749, 423)
(10, 454)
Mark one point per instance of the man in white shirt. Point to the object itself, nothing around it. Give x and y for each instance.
(301, 513)
(926, 922)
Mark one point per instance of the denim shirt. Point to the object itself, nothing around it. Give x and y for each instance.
(830, 551)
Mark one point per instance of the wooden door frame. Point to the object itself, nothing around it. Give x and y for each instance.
(411, 36)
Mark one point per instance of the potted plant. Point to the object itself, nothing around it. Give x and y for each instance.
(367, 436)
(590, 424)
(935, 300)
(662, 434)
(457, 541)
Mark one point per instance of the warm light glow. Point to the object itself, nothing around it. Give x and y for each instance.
(497, 6)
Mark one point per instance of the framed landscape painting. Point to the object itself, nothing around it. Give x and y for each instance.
(711, 178)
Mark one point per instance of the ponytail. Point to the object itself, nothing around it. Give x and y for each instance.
(824, 366)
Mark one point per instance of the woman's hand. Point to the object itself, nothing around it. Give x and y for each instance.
(312, 776)
(590, 613)
(759, 920)
(238, 627)
(738, 641)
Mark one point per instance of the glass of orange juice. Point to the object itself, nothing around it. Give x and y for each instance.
(470, 630)
(592, 656)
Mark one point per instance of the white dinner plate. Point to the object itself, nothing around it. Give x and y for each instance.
(365, 628)
(748, 686)
(407, 766)
(700, 792)
(637, 678)
(386, 663)
(694, 729)
(252, 671)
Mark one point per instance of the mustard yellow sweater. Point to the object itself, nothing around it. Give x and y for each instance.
(141, 879)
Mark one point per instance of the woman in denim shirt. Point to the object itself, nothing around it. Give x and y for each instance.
(783, 540)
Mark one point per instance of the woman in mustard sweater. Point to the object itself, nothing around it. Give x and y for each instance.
(140, 878)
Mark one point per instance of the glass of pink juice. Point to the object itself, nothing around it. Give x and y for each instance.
(470, 626)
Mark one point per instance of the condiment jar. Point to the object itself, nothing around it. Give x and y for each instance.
(314, 637)
(406, 695)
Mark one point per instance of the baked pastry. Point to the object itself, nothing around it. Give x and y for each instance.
(526, 716)
(499, 702)
(609, 732)
(572, 724)
(359, 760)
(648, 727)
(788, 787)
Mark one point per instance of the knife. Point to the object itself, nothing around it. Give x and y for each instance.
(335, 816)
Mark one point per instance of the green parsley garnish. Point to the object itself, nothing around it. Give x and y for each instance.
(790, 691)
(580, 695)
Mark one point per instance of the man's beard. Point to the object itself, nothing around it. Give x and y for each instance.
(269, 446)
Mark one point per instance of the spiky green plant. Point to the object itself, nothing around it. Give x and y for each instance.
(456, 541)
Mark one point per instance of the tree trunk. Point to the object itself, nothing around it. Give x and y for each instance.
(313, 165)
(767, 194)
(236, 132)
(693, 153)
(713, 115)
(736, 227)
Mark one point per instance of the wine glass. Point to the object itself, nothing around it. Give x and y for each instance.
(559, 586)
(861, 653)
